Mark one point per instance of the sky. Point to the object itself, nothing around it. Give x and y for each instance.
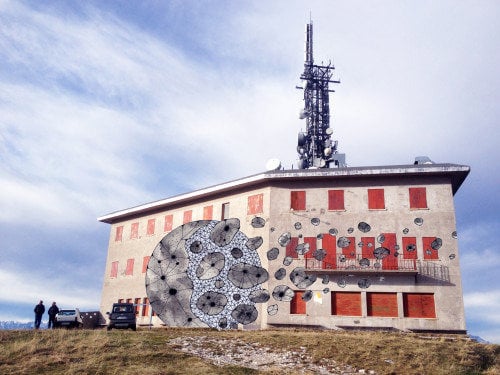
(105, 105)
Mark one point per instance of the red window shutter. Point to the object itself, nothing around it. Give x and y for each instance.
(346, 303)
(368, 247)
(390, 262)
(114, 269)
(429, 252)
(418, 198)
(208, 212)
(350, 251)
(298, 200)
(145, 307)
(188, 216)
(129, 271)
(151, 226)
(145, 262)
(137, 306)
(290, 248)
(382, 304)
(329, 244)
(119, 233)
(312, 246)
(297, 304)
(134, 231)
(419, 305)
(376, 199)
(336, 199)
(255, 204)
(410, 243)
(169, 219)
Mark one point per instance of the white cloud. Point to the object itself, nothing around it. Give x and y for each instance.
(21, 287)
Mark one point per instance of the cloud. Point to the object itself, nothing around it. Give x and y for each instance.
(25, 287)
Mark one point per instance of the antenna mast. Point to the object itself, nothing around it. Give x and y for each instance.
(315, 147)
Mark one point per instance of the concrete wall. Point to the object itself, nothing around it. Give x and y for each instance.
(440, 277)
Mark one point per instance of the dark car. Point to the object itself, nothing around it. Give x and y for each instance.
(122, 315)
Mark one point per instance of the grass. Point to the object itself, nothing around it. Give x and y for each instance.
(148, 352)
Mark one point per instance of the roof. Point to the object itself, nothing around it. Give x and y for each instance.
(457, 174)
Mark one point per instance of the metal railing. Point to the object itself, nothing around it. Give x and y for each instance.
(363, 264)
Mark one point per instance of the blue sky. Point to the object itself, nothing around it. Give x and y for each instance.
(107, 105)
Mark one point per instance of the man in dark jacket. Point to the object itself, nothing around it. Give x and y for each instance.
(53, 310)
(39, 310)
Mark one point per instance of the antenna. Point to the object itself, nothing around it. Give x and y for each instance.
(315, 147)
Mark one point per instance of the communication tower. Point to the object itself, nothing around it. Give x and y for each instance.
(315, 146)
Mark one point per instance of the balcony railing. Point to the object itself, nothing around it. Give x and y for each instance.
(363, 264)
(427, 268)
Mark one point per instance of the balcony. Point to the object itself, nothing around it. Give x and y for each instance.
(361, 265)
(390, 265)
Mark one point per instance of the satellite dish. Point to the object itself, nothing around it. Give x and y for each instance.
(273, 165)
(329, 131)
(328, 151)
(303, 114)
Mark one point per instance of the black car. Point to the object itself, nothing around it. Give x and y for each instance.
(122, 315)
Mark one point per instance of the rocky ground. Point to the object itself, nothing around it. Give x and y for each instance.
(236, 352)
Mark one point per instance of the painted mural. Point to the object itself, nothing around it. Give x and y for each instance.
(209, 273)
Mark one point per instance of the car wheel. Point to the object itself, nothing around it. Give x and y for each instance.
(109, 328)
(133, 327)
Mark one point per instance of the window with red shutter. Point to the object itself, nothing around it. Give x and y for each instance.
(336, 200)
(382, 304)
(346, 303)
(169, 219)
(119, 233)
(419, 305)
(114, 269)
(255, 204)
(151, 227)
(188, 216)
(297, 304)
(129, 271)
(298, 200)
(134, 231)
(418, 198)
(376, 200)
(208, 212)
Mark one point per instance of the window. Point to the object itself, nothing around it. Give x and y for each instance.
(255, 204)
(329, 244)
(208, 212)
(137, 303)
(129, 271)
(145, 262)
(169, 219)
(297, 304)
(114, 269)
(419, 305)
(291, 247)
(151, 226)
(134, 231)
(145, 307)
(390, 262)
(311, 241)
(119, 233)
(298, 200)
(346, 303)
(224, 211)
(336, 200)
(431, 246)
(376, 199)
(188, 216)
(382, 304)
(418, 198)
(350, 251)
(368, 245)
(410, 248)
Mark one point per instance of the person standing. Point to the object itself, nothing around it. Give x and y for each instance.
(53, 310)
(39, 310)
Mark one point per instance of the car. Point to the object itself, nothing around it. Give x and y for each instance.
(122, 316)
(69, 318)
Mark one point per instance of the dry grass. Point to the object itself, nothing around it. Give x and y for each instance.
(148, 352)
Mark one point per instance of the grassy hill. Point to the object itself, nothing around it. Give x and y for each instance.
(205, 351)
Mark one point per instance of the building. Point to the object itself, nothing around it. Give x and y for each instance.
(333, 247)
